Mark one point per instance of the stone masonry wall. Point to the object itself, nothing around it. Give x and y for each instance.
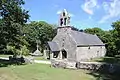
(64, 41)
(87, 53)
(92, 66)
(97, 66)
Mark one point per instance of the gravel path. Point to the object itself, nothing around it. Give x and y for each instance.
(4, 58)
(35, 61)
(42, 61)
(49, 62)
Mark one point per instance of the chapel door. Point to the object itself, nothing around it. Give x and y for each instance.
(64, 54)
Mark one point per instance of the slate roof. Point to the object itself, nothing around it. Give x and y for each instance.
(53, 46)
(82, 38)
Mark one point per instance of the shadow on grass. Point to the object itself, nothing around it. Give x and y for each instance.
(111, 71)
(105, 76)
(4, 63)
(12, 61)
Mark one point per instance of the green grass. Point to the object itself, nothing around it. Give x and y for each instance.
(42, 72)
(39, 58)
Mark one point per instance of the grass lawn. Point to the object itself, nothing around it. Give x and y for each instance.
(40, 58)
(42, 72)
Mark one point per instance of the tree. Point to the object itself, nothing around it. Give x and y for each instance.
(116, 34)
(13, 19)
(41, 31)
(107, 37)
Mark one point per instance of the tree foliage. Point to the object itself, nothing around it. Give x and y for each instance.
(13, 18)
(116, 35)
(108, 37)
(15, 34)
(39, 31)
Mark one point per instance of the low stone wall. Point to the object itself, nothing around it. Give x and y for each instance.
(63, 64)
(101, 67)
(93, 66)
(90, 65)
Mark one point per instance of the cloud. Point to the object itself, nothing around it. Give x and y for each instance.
(59, 11)
(112, 10)
(71, 15)
(89, 6)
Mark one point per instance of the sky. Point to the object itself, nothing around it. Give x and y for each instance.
(84, 13)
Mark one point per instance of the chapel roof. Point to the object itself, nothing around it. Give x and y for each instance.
(53, 46)
(82, 38)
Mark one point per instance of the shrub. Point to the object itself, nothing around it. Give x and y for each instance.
(12, 49)
(22, 51)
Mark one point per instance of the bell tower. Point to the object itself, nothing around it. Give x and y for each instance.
(64, 19)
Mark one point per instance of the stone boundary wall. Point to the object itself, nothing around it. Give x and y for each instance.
(63, 64)
(92, 66)
(97, 66)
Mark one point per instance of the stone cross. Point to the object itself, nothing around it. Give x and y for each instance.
(37, 46)
(38, 42)
(37, 52)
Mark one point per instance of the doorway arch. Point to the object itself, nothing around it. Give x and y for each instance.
(64, 54)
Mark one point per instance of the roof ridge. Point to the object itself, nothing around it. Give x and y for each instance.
(82, 32)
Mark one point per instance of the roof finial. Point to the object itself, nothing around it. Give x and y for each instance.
(65, 11)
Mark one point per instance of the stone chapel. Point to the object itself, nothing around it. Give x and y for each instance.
(74, 45)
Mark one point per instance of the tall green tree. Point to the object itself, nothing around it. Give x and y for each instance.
(13, 19)
(40, 31)
(116, 34)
